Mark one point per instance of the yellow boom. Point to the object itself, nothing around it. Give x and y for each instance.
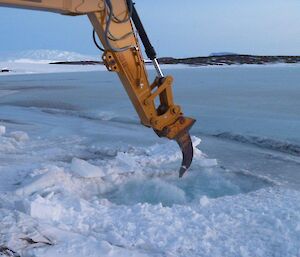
(115, 22)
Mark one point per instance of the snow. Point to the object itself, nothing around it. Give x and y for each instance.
(79, 176)
(204, 201)
(81, 227)
(19, 136)
(2, 130)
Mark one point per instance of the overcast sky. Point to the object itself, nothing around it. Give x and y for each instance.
(176, 28)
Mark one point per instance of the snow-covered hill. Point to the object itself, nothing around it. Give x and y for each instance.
(44, 56)
(37, 61)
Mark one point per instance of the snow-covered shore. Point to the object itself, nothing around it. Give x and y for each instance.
(33, 67)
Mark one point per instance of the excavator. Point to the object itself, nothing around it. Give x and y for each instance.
(118, 26)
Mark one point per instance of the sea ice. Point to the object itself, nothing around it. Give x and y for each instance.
(74, 182)
(86, 170)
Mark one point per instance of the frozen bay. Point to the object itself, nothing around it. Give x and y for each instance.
(80, 175)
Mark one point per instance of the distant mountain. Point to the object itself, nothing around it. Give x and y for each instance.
(222, 54)
(44, 56)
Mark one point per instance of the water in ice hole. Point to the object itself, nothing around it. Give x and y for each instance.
(170, 190)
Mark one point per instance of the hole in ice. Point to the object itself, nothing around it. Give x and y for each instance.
(172, 190)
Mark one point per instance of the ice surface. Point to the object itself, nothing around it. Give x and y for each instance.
(79, 176)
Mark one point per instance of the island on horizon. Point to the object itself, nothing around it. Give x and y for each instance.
(216, 59)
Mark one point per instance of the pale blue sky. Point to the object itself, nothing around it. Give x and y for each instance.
(177, 28)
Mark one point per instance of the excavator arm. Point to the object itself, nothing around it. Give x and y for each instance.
(117, 24)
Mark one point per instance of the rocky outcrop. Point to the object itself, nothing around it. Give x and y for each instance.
(230, 60)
